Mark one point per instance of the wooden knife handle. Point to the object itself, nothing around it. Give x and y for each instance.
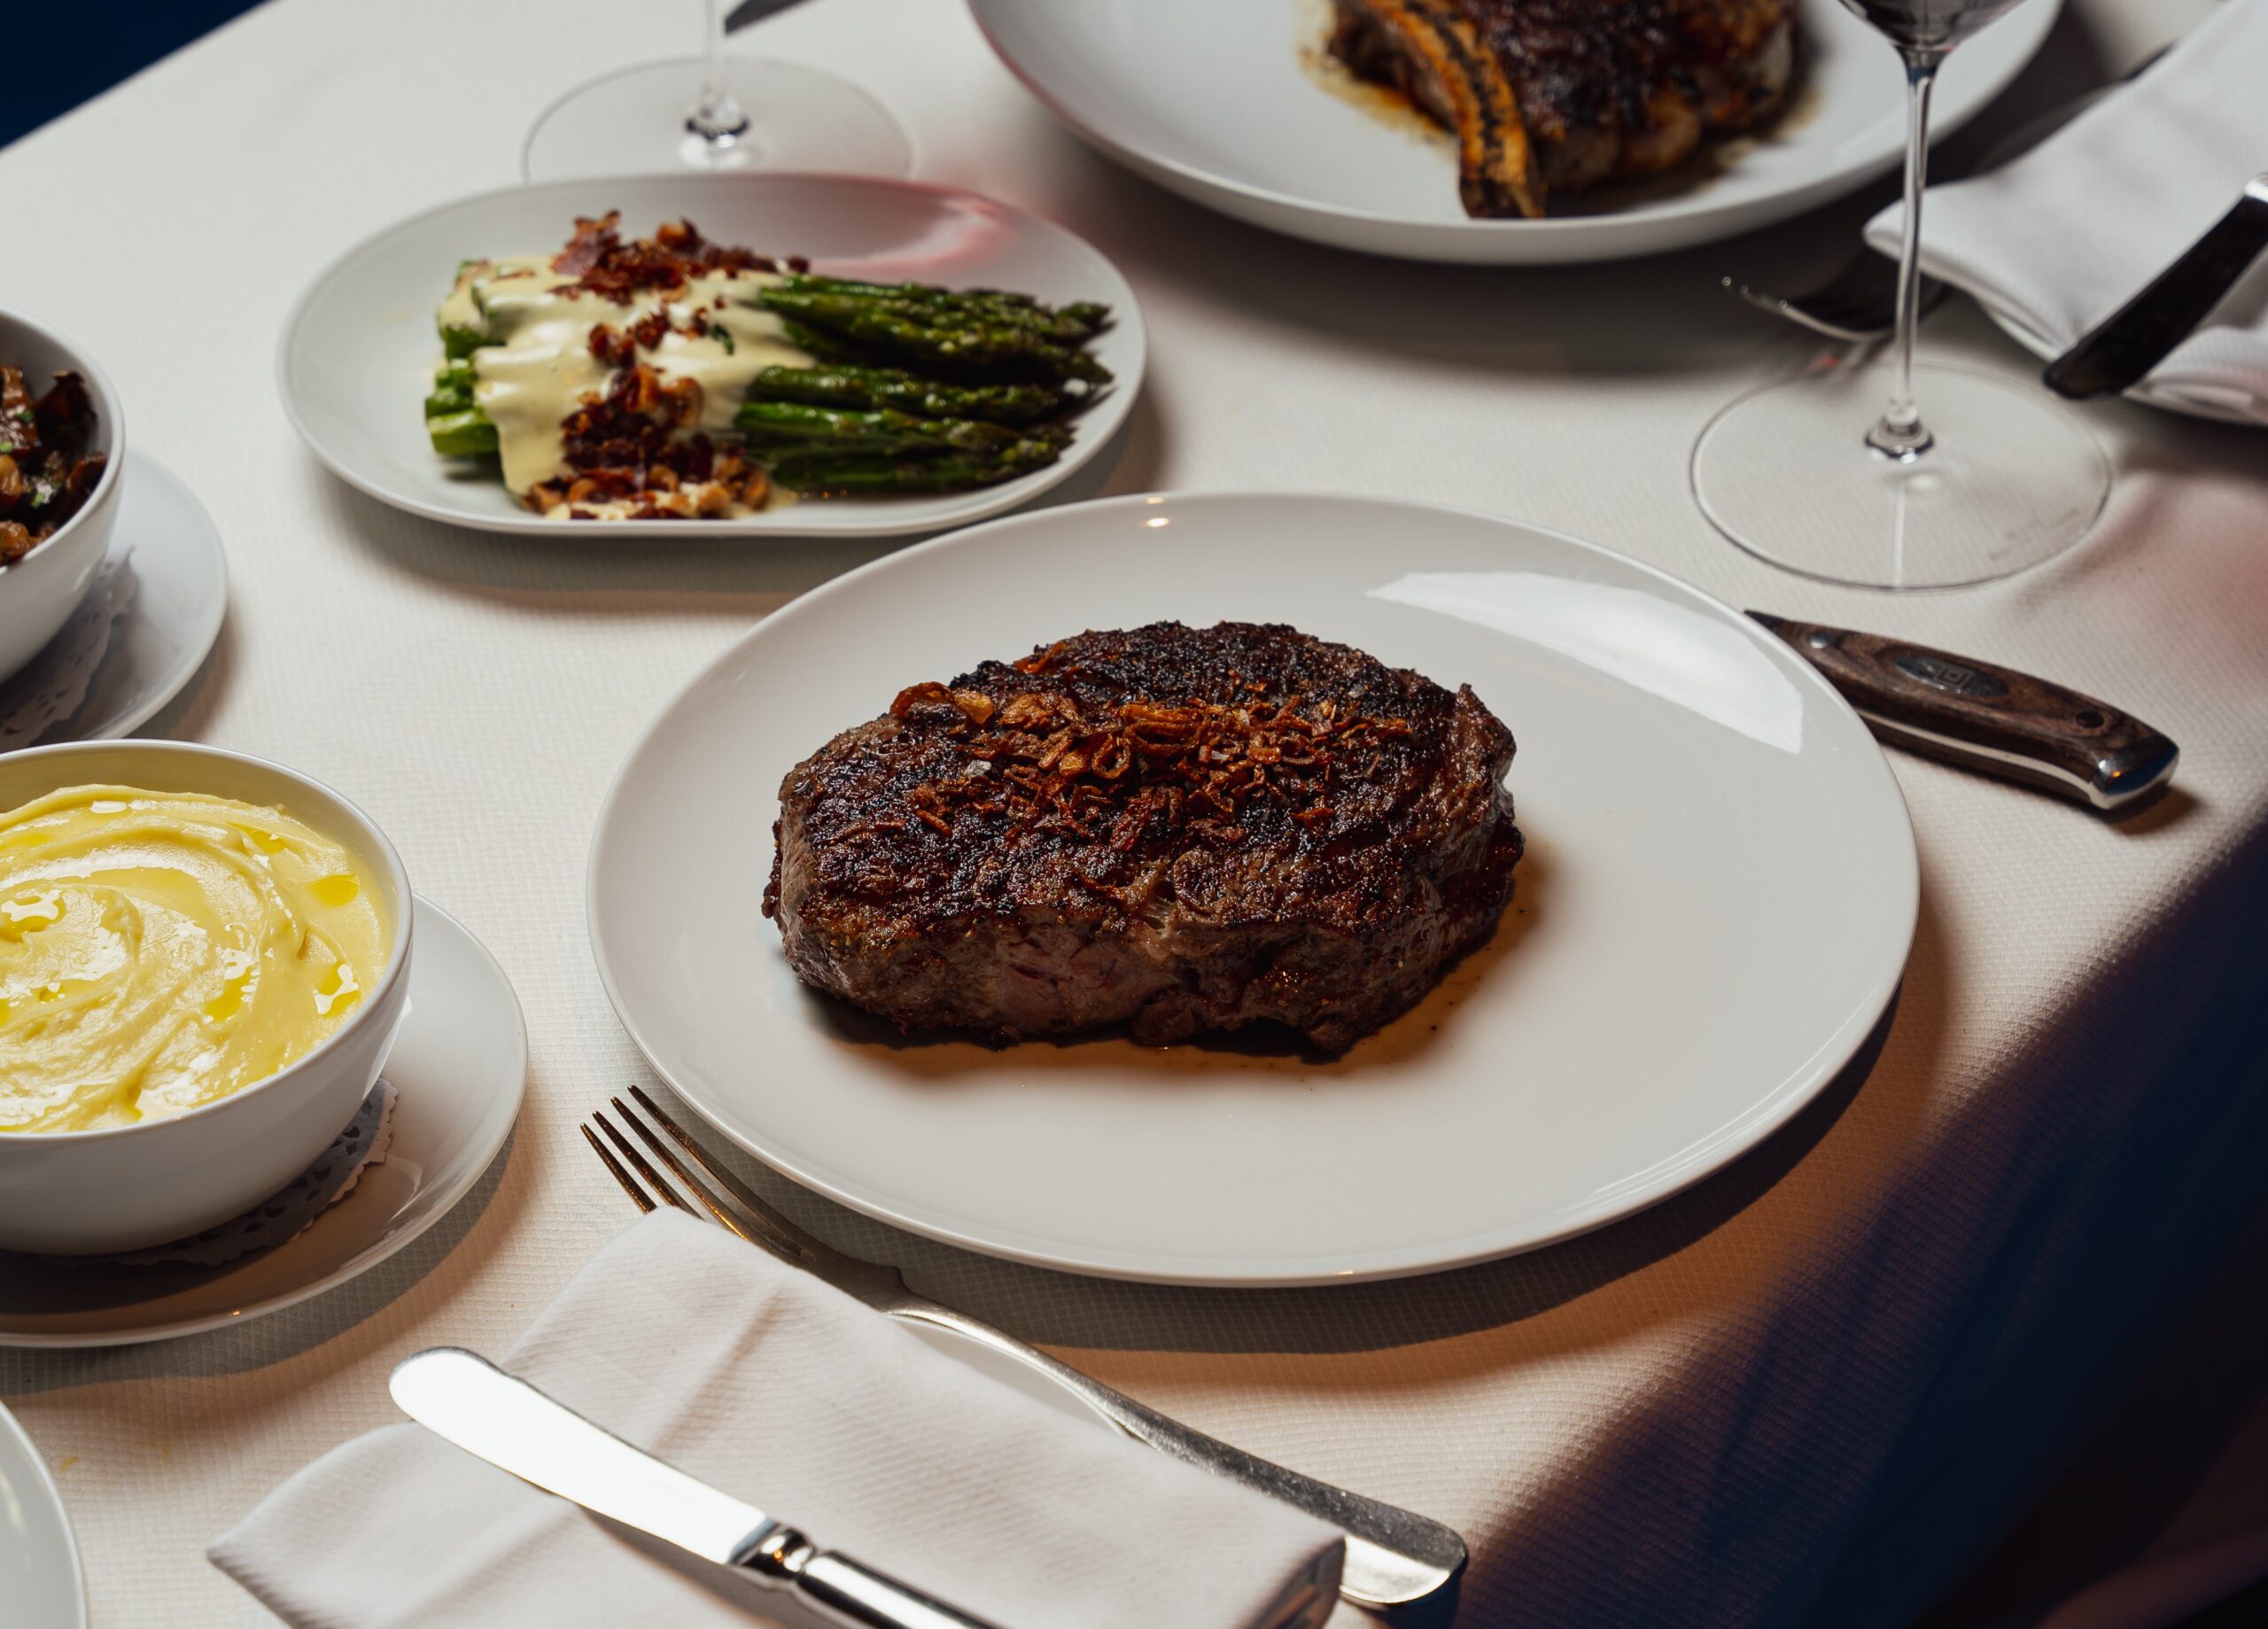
(1988, 717)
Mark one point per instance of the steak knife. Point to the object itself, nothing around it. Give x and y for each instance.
(464, 1397)
(1986, 718)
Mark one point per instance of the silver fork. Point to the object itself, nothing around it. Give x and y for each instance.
(1395, 1557)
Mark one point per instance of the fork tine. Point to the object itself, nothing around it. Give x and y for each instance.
(629, 1183)
(788, 1235)
(662, 1190)
(687, 1178)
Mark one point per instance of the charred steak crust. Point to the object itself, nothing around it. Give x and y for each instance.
(1182, 829)
(1559, 94)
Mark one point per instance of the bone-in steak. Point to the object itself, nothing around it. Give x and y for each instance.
(1557, 95)
(1182, 829)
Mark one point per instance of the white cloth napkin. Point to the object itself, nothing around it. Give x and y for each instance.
(766, 1382)
(2056, 241)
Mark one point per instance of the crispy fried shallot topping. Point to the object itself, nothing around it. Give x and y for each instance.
(1137, 770)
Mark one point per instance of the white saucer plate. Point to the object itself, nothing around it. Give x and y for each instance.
(1716, 906)
(1237, 107)
(358, 354)
(181, 594)
(458, 1068)
(39, 1577)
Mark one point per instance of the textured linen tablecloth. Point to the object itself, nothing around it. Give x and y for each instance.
(1808, 1389)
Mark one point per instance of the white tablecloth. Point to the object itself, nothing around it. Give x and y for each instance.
(1810, 1387)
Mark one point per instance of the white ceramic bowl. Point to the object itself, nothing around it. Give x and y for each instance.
(39, 593)
(123, 1187)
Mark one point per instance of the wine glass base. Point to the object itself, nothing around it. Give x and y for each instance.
(2011, 478)
(633, 123)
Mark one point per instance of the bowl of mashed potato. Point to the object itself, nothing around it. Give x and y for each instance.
(203, 962)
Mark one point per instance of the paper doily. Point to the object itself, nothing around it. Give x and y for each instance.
(53, 685)
(283, 1217)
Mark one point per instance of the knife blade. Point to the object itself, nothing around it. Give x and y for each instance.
(1988, 717)
(461, 1396)
(2120, 352)
(749, 12)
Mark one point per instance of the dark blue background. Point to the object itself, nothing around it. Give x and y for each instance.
(59, 55)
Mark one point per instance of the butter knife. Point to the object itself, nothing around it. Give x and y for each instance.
(2121, 351)
(1988, 717)
(464, 1397)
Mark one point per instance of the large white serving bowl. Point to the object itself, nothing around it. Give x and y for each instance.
(39, 593)
(124, 1187)
(1235, 106)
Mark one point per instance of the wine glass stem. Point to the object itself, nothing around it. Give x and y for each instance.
(717, 119)
(1900, 433)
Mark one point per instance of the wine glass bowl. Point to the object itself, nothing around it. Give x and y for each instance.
(1881, 475)
(717, 112)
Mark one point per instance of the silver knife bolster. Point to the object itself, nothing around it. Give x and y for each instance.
(2117, 780)
(847, 1590)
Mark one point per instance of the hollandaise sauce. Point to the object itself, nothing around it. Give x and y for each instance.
(536, 364)
(160, 950)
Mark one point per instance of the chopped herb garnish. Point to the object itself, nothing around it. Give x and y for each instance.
(723, 337)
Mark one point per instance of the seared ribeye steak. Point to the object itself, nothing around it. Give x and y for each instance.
(1546, 95)
(1179, 829)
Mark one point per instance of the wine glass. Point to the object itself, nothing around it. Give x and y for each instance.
(1962, 478)
(719, 111)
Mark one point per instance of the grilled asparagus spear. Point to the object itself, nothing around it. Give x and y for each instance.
(461, 435)
(991, 347)
(1071, 323)
(846, 384)
(847, 472)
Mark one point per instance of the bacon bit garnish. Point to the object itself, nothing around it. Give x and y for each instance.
(603, 264)
(611, 345)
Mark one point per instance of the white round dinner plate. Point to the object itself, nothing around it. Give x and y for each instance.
(1715, 907)
(358, 354)
(1240, 107)
(41, 1583)
(458, 1067)
(166, 544)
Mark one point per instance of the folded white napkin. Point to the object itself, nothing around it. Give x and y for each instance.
(759, 1379)
(2056, 241)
